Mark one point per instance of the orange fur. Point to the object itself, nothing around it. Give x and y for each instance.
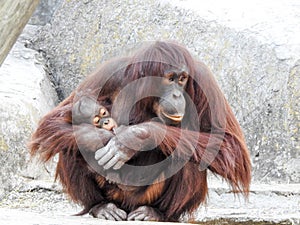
(219, 144)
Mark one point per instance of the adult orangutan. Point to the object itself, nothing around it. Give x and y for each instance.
(174, 124)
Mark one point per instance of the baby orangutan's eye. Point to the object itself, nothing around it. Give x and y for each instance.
(103, 112)
(96, 120)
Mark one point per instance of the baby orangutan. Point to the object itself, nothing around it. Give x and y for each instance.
(102, 120)
(88, 110)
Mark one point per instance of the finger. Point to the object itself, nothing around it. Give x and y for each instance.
(108, 216)
(115, 216)
(132, 215)
(105, 150)
(105, 158)
(100, 153)
(139, 217)
(101, 216)
(118, 165)
(147, 218)
(121, 213)
(111, 162)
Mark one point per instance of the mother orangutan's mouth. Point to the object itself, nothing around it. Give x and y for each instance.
(176, 118)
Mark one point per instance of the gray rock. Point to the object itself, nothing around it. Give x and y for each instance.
(26, 95)
(44, 12)
(260, 77)
(260, 80)
(267, 204)
(18, 217)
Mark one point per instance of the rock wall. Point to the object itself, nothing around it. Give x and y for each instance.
(26, 94)
(261, 79)
(262, 87)
(44, 12)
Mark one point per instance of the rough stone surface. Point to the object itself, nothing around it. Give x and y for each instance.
(258, 74)
(44, 12)
(43, 203)
(272, 22)
(29, 218)
(25, 95)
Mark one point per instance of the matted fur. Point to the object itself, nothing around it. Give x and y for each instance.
(220, 144)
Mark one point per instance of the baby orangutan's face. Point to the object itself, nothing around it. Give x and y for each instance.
(103, 120)
(103, 112)
(108, 123)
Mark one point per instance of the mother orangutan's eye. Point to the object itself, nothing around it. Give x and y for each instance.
(182, 78)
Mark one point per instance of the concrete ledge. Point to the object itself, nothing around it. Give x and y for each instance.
(18, 217)
(267, 204)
